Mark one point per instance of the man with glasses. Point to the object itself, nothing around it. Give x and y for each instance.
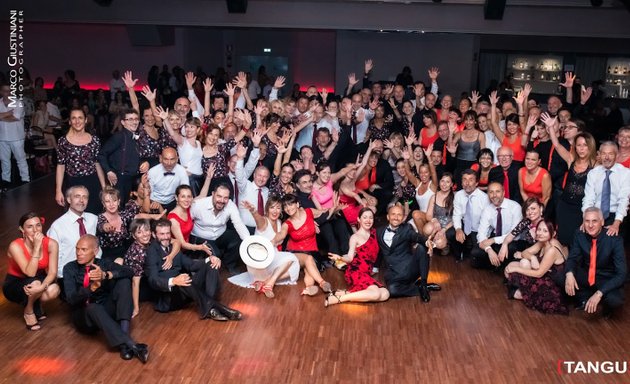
(120, 156)
(506, 174)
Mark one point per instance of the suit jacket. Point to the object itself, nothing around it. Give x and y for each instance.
(77, 295)
(158, 277)
(384, 175)
(401, 265)
(610, 264)
(496, 175)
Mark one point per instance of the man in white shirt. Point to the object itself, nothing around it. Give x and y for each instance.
(497, 220)
(12, 136)
(210, 216)
(468, 205)
(165, 177)
(607, 188)
(68, 228)
(255, 192)
(360, 117)
(116, 84)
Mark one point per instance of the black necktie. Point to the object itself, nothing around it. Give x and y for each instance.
(388, 229)
(169, 173)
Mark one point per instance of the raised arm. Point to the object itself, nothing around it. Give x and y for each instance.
(277, 85)
(130, 83)
(190, 81)
(207, 89)
(281, 235)
(552, 126)
(150, 96)
(206, 183)
(569, 78)
(261, 221)
(494, 123)
(352, 81)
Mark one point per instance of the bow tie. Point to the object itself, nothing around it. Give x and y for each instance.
(169, 173)
(135, 136)
(388, 229)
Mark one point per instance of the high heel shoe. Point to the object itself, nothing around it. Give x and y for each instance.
(330, 296)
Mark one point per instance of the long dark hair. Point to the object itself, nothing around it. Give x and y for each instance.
(450, 197)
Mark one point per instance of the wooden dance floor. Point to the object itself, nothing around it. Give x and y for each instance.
(469, 332)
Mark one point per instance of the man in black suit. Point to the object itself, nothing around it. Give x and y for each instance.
(507, 167)
(383, 189)
(407, 269)
(99, 293)
(596, 267)
(182, 279)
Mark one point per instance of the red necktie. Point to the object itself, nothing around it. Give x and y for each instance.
(235, 192)
(261, 204)
(82, 230)
(506, 184)
(444, 154)
(314, 136)
(86, 277)
(591, 264)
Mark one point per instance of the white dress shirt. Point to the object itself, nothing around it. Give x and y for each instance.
(163, 186)
(510, 216)
(12, 130)
(210, 225)
(65, 230)
(362, 127)
(619, 189)
(247, 190)
(493, 144)
(479, 201)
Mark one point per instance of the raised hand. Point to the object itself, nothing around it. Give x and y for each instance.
(324, 95)
(352, 80)
(148, 93)
(279, 83)
(258, 135)
(452, 147)
(161, 113)
(241, 151)
(494, 98)
(569, 78)
(434, 72)
(519, 98)
(411, 138)
(405, 154)
(207, 85)
(283, 148)
(428, 150)
(474, 97)
(229, 90)
(240, 80)
(249, 206)
(418, 90)
(374, 104)
(190, 80)
(389, 89)
(388, 144)
(531, 121)
(129, 81)
(527, 89)
(368, 66)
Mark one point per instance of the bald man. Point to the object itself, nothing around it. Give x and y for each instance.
(99, 293)
(165, 177)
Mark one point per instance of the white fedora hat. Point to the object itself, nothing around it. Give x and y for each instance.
(257, 252)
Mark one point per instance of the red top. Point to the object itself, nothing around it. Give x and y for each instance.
(369, 179)
(534, 189)
(626, 163)
(483, 181)
(303, 238)
(14, 268)
(425, 139)
(186, 226)
(517, 148)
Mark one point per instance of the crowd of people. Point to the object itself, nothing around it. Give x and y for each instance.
(385, 175)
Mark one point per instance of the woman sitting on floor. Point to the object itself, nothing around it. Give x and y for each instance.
(533, 278)
(362, 254)
(285, 268)
(32, 270)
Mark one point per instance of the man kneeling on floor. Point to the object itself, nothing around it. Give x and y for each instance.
(182, 279)
(407, 269)
(99, 293)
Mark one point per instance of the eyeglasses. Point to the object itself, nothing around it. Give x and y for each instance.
(570, 127)
(504, 156)
(132, 119)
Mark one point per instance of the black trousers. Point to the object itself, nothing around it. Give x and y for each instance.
(124, 186)
(383, 197)
(461, 250)
(224, 247)
(480, 259)
(106, 315)
(404, 286)
(336, 235)
(205, 287)
(612, 299)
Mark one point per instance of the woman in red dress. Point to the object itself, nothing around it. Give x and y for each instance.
(362, 254)
(534, 180)
(300, 227)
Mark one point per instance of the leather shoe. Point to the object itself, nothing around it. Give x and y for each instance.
(581, 305)
(424, 294)
(230, 313)
(142, 352)
(126, 353)
(214, 314)
(434, 287)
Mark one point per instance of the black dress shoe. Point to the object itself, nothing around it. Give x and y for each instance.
(434, 287)
(215, 315)
(126, 353)
(141, 351)
(230, 313)
(424, 294)
(580, 306)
